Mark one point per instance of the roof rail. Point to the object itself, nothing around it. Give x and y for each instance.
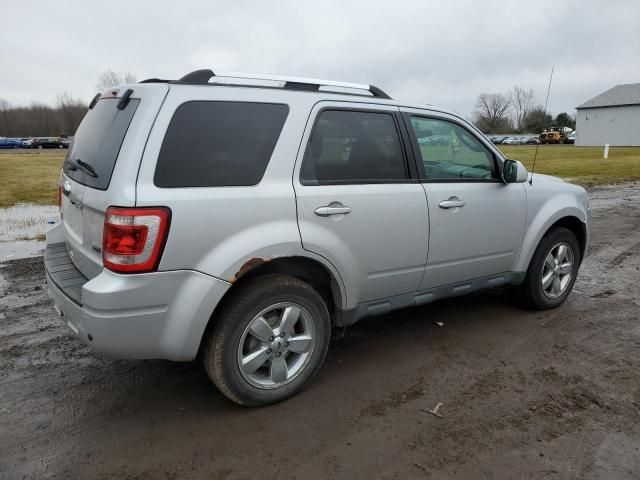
(202, 77)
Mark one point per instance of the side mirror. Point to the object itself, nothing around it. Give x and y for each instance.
(514, 171)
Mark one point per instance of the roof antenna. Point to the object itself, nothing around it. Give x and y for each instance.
(544, 116)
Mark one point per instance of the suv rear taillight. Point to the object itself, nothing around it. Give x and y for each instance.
(134, 238)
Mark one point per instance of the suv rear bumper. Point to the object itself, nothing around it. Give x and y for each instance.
(152, 315)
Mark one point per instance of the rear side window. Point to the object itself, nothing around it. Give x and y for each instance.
(353, 147)
(219, 144)
(96, 144)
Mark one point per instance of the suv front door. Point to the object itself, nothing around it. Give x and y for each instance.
(357, 203)
(477, 221)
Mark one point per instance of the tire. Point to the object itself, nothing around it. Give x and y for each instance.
(232, 339)
(532, 291)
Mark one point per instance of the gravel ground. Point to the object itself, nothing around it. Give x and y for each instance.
(526, 394)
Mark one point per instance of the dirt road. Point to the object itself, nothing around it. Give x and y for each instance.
(526, 394)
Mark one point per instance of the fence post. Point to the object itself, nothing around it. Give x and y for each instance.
(606, 151)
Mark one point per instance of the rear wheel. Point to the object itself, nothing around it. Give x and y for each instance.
(268, 342)
(552, 271)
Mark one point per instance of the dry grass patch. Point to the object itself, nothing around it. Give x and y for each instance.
(582, 165)
(30, 177)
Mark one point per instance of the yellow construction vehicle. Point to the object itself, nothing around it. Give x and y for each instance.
(555, 135)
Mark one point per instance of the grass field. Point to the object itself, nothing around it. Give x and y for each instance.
(29, 176)
(581, 165)
(32, 176)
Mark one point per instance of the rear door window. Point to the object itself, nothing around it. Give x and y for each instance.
(219, 144)
(93, 153)
(353, 147)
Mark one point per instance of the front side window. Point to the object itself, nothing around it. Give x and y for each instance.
(353, 147)
(450, 152)
(219, 144)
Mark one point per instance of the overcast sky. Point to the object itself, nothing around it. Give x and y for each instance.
(439, 52)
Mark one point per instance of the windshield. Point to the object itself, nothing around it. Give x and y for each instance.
(94, 150)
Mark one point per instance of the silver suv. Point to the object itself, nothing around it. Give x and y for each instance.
(240, 218)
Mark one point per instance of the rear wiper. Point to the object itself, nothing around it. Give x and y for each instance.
(69, 166)
(87, 168)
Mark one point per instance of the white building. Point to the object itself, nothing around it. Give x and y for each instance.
(612, 117)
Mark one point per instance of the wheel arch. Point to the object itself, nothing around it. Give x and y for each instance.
(318, 275)
(306, 269)
(577, 227)
(569, 219)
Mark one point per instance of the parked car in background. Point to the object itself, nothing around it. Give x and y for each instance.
(46, 142)
(571, 138)
(510, 141)
(532, 141)
(498, 140)
(9, 143)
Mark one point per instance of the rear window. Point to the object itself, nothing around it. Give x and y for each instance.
(215, 144)
(93, 153)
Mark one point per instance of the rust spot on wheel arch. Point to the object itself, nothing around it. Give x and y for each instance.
(247, 267)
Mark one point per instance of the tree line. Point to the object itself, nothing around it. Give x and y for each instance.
(61, 119)
(515, 112)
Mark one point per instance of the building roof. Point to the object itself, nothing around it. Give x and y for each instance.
(628, 94)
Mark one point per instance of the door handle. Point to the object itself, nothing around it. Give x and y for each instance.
(327, 210)
(453, 202)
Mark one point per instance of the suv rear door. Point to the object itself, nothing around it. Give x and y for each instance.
(357, 204)
(101, 166)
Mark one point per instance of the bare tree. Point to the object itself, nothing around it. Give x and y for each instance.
(71, 112)
(537, 119)
(491, 113)
(39, 119)
(109, 78)
(4, 107)
(522, 102)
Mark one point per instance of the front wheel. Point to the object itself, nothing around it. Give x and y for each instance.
(552, 271)
(268, 342)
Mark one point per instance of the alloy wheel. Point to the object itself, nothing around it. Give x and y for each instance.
(276, 345)
(557, 270)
